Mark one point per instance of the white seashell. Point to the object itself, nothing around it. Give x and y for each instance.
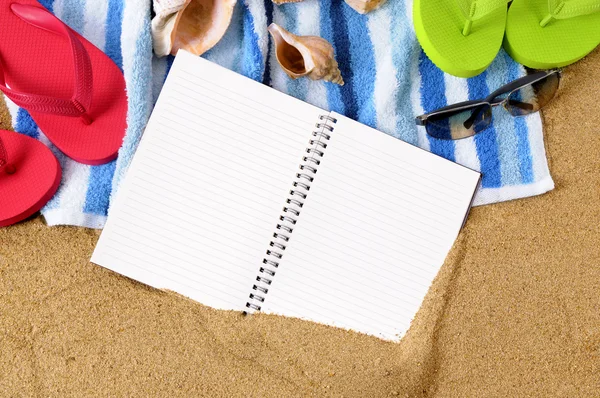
(310, 56)
(194, 25)
(365, 6)
(164, 24)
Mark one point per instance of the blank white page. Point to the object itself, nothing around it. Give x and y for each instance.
(377, 224)
(201, 199)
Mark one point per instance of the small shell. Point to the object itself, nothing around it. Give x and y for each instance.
(194, 25)
(310, 56)
(365, 6)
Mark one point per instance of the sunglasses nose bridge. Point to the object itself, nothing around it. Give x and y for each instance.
(497, 102)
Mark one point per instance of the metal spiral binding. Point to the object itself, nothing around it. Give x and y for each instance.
(291, 211)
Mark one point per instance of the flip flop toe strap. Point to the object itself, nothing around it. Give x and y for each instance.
(562, 9)
(475, 9)
(79, 104)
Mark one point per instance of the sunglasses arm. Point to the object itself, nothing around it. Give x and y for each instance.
(519, 83)
(421, 120)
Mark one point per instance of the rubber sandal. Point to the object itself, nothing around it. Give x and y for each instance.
(546, 34)
(461, 37)
(73, 91)
(29, 176)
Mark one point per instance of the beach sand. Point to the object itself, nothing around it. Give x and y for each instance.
(514, 312)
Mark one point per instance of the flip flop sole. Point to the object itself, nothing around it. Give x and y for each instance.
(38, 61)
(438, 26)
(35, 180)
(560, 43)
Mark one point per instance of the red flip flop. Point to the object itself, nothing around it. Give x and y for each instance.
(73, 91)
(29, 176)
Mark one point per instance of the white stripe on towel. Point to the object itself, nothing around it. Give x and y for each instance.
(309, 24)
(415, 90)
(415, 99)
(386, 86)
(95, 22)
(539, 163)
(279, 79)
(465, 151)
(259, 18)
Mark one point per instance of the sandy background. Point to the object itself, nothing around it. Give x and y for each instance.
(515, 310)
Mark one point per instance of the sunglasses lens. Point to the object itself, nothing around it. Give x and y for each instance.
(457, 124)
(532, 98)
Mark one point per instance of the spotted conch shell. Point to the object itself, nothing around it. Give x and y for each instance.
(194, 25)
(310, 56)
(365, 6)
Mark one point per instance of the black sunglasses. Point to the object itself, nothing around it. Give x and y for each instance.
(521, 97)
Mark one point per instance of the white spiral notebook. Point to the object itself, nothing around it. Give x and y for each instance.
(243, 198)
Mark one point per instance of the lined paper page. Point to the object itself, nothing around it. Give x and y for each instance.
(200, 202)
(379, 220)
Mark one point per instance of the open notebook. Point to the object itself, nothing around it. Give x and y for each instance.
(243, 198)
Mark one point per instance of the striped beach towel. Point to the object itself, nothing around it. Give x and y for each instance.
(388, 82)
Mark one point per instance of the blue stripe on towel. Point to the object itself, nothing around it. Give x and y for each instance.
(25, 124)
(498, 75)
(170, 60)
(49, 4)
(485, 142)
(266, 78)
(251, 54)
(521, 130)
(99, 187)
(433, 96)
(342, 50)
(362, 61)
(334, 94)
(114, 24)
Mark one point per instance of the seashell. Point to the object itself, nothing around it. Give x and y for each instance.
(194, 25)
(365, 6)
(310, 56)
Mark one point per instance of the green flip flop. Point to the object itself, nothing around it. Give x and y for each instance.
(545, 34)
(461, 37)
